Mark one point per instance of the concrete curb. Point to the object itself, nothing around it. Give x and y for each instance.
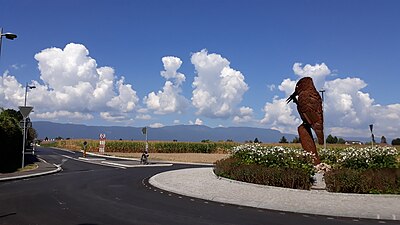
(58, 169)
(204, 184)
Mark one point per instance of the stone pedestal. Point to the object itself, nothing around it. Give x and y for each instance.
(319, 182)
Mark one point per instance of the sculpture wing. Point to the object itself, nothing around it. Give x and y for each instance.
(310, 110)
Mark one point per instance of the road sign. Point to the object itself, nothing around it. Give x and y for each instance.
(102, 136)
(25, 110)
(28, 124)
(102, 143)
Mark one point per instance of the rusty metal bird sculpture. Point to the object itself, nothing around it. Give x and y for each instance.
(309, 106)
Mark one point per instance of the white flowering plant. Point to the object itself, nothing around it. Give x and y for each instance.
(274, 156)
(361, 158)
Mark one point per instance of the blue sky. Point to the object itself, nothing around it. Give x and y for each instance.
(352, 47)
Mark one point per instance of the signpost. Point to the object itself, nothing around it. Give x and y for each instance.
(144, 131)
(102, 143)
(25, 111)
(145, 155)
(371, 127)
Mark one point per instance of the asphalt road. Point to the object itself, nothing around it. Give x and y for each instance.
(85, 193)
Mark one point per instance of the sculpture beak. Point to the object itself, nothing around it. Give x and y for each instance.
(292, 97)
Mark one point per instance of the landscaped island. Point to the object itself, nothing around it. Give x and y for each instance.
(351, 170)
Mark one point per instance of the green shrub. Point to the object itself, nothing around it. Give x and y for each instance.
(345, 180)
(269, 165)
(274, 156)
(233, 168)
(11, 143)
(361, 158)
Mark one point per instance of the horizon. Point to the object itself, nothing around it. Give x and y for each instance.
(212, 63)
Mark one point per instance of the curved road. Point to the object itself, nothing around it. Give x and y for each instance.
(85, 193)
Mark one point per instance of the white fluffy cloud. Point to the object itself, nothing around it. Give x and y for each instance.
(169, 100)
(348, 110)
(196, 122)
(156, 125)
(280, 116)
(72, 86)
(245, 115)
(318, 72)
(218, 89)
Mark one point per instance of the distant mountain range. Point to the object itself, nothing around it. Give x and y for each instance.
(190, 133)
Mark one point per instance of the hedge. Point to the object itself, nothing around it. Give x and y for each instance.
(232, 168)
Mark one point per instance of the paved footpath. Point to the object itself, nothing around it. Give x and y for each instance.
(203, 183)
(43, 168)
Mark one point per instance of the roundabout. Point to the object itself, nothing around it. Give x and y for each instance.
(204, 184)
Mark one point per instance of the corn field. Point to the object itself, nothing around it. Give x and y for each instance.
(171, 147)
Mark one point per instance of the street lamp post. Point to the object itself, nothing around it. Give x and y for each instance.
(323, 120)
(26, 90)
(24, 110)
(10, 36)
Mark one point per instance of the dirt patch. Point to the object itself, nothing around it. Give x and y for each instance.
(177, 157)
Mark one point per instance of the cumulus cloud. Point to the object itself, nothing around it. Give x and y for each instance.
(280, 116)
(143, 117)
(318, 72)
(11, 91)
(348, 110)
(245, 115)
(156, 125)
(196, 122)
(218, 88)
(62, 113)
(169, 100)
(72, 86)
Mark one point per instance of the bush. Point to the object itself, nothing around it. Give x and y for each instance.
(345, 180)
(11, 143)
(275, 166)
(361, 158)
(233, 168)
(396, 141)
(274, 156)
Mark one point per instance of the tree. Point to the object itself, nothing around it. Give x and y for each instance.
(283, 140)
(335, 140)
(256, 140)
(331, 140)
(341, 141)
(13, 113)
(11, 142)
(396, 141)
(296, 140)
(383, 140)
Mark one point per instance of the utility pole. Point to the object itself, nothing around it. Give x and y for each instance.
(323, 117)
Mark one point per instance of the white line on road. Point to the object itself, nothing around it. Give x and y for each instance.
(96, 163)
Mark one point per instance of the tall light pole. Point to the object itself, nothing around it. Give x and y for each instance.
(323, 110)
(10, 36)
(25, 110)
(26, 90)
